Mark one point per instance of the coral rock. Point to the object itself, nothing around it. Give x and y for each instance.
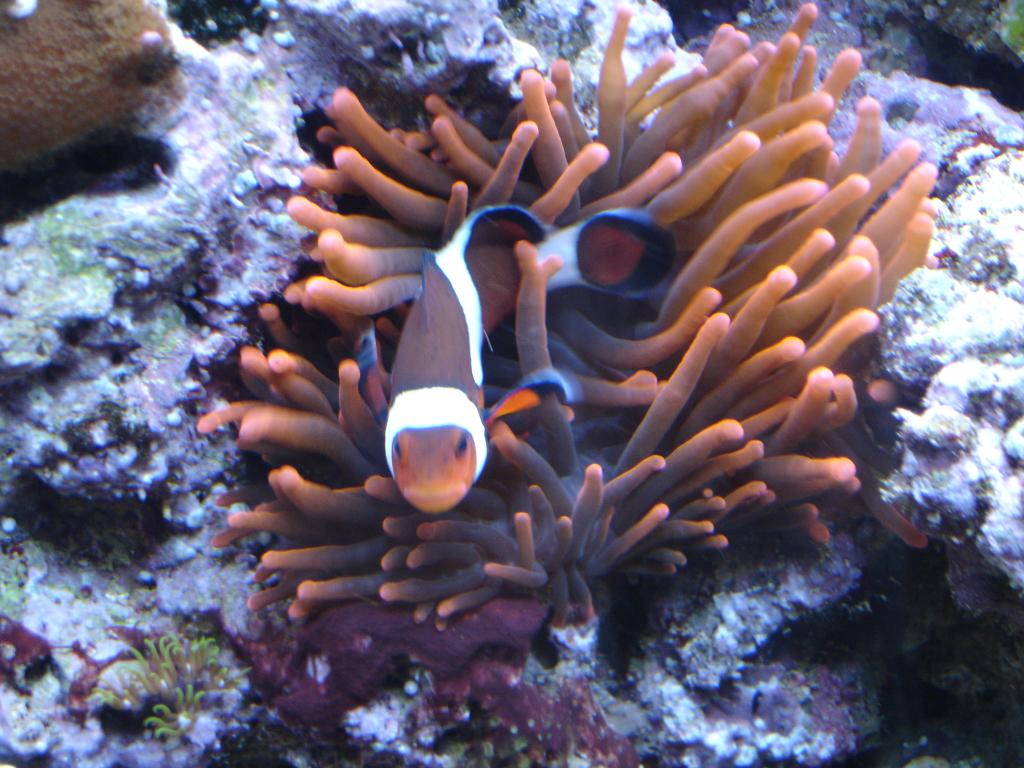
(340, 659)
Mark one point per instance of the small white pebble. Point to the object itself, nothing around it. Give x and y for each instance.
(145, 578)
(21, 9)
(211, 25)
(744, 19)
(8, 525)
(410, 688)
(284, 38)
(14, 282)
(195, 517)
(251, 43)
(173, 418)
(244, 183)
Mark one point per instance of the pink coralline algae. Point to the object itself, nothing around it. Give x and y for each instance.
(342, 657)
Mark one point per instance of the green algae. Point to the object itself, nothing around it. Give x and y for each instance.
(60, 234)
(14, 565)
(1011, 27)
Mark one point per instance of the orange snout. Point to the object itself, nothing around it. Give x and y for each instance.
(434, 467)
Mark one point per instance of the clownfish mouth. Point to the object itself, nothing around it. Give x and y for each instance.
(435, 499)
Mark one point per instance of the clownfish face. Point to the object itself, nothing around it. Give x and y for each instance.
(434, 467)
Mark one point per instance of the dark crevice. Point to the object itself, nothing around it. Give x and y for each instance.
(943, 686)
(192, 310)
(309, 124)
(122, 722)
(224, 383)
(263, 748)
(543, 648)
(114, 163)
(51, 374)
(692, 20)
(480, 101)
(218, 20)
(74, 333)
(107, 533)
(126, 162)
(628, 608)
(872, 620)
(951, 62)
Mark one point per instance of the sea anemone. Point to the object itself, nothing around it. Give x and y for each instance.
(172, 678)
(727, 401)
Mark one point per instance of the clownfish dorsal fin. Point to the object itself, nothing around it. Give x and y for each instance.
(529, 390)
(429, 262)
(486, 241)
(622, 251)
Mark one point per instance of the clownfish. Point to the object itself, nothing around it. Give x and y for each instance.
(435, 431)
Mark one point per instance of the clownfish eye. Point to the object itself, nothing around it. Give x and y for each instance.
(462, 446)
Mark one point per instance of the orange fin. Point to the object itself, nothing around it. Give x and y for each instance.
(528, 393)
(514, 402)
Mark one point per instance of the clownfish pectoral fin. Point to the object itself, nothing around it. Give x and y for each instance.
(531, 388)
(371, 380)
(621, 250)
(515, 401)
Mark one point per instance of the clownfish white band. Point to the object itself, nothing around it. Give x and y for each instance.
(436, 407)
(451, 260)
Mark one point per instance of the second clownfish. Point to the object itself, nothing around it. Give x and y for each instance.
(435, 433)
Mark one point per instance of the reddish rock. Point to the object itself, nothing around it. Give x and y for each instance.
(340, 659)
